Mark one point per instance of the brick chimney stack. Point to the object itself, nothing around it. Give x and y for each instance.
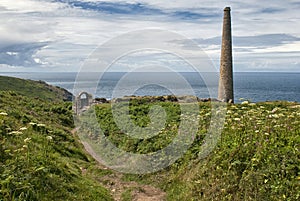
(225, 93)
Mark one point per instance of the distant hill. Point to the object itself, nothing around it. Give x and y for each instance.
(34, 89)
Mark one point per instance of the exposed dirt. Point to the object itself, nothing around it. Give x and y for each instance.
(139, 192)
(114, 182)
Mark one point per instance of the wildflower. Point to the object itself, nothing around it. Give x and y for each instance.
(257, 131)
(229, 112)
(50, 138)
(252, 104)
(233, 107)
(237, 119)
(27, 140)
(41, 125)
(207, 114)
(259, 122)
(23, 129)
(32, 123)
(275, 110)
(3, 113)
(15, 133)
(245, 102)
(236, 114)
(274, 116)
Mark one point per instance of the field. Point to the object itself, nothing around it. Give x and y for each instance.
(256, 158)
(40, 159)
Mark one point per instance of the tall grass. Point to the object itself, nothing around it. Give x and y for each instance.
(257, 157)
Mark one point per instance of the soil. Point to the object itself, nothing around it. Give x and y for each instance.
(117, 186)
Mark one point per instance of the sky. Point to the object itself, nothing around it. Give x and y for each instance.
(59, 35)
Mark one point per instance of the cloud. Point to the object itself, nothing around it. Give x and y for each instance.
(258, 41)
(144, 9)
(21, 54)
(115, 7)
(60, 34)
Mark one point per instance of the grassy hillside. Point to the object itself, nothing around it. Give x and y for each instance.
(34, 89)
(40, 159)
(257, 157)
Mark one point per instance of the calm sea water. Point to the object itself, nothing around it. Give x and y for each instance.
(257, 87)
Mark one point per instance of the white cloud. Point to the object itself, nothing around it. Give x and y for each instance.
(71, 32)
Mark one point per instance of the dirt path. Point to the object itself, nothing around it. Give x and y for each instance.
(138, 191)
(115, 183)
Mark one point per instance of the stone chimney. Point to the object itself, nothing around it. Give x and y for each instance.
(225, 93)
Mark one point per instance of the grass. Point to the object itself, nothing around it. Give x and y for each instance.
(39, 157)
(127, 195)
(257, 157)
(34, 89)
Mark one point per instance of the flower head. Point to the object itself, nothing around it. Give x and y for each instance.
(15, 133)
(50, 138)
(27, 140)
(23, 129)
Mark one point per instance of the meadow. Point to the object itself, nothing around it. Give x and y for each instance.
(256, 158)
(40, 159)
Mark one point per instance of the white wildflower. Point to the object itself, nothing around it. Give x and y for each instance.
(275, 110)
(50, 138)
(3, 113)
(245, 102)
(15, 133)
(27, 140)
(23, 129)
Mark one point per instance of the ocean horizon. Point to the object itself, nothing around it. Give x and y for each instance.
(252, 86)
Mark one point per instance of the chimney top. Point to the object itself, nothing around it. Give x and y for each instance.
(227, 9)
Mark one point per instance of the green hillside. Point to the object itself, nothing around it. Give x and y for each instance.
(257, 158)
(34, 89)
(40, 159)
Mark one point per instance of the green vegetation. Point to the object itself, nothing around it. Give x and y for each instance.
(34, 89)
(257, 157)
(127, 195)
(40, 159)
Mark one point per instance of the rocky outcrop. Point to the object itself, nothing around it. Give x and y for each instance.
(166, 98)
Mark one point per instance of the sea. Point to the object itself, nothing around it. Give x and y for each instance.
(252, 86)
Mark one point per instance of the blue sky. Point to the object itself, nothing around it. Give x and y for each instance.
(58, 35)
